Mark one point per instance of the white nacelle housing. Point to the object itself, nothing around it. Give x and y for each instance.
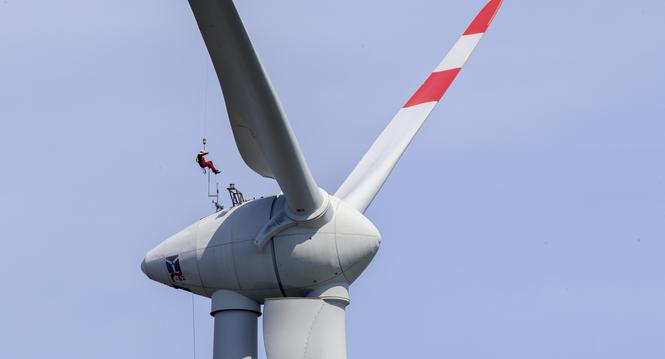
(219, 252)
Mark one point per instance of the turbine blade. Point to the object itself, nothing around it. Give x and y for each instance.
(261, 129)
(369, 175)
(304, 328)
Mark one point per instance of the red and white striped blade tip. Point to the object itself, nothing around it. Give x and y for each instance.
(484, 18)
(440, 80)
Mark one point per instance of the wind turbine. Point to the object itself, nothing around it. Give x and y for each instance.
(298, 252)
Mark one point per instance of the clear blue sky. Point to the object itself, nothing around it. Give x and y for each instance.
(526, 220)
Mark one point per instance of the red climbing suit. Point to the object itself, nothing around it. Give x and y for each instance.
(200, 159)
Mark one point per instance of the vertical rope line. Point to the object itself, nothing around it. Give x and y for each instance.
(205, 98)
(193, 328)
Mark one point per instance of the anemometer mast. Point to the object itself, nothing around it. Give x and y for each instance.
(237, 198)
(215, 202)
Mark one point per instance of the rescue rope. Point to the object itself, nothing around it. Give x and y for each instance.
(205, 99)
(193, 328)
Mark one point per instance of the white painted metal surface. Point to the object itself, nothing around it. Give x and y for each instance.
(307, 328)
(218, 252)
(235, 328)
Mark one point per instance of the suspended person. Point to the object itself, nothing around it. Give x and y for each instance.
(200, 159)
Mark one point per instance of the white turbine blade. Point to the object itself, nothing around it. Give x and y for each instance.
(262, 132)
(369, 175)
(304, 328)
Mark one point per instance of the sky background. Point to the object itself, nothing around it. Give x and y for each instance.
(526, 220)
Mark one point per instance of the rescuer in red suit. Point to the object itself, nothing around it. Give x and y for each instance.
(200, 159)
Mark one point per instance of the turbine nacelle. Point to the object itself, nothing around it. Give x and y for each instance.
(220, 252)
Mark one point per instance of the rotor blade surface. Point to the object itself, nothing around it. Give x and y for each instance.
(304, 328)
(369, 175)
(261, 129)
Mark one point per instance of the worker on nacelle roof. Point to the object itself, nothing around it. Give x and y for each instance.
(200, 159)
